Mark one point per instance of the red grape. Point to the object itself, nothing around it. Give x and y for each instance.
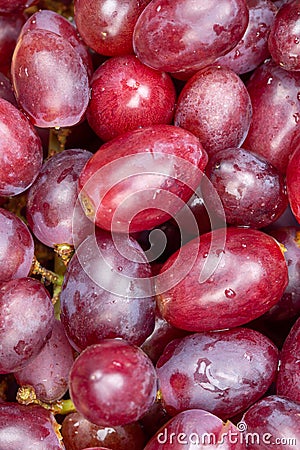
(107, 292)
(141, 178)
(252, 191)
(284, 37)
(17, 247)
(21, 151)
(135, 94)
(215, 106)
(9, 6)
(27, 319)
(273, 422)
(275, 101)
(181, 35)
(28, 427)
(235, 276)
(107, 27)
(78, 433)
(48, 372)
(293, 182)
(45, 62)
(252, 49)
(222, 371)
(10, 27)
(288, 381)
(6, 90)
(113, 383)
(196, 429)
(52, 210)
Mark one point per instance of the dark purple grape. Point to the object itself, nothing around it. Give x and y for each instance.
(196, 429)
(113, 383)
(155, 170)
(273, 422)
(52, 210)
(252, 49)
(222, 371)
(17, 247)
(9, 6)
(107, 292)
(179, 36)
(224, 279)
(28, 428)
(275, 101)
(10, 27)
(108, 27)
(79, 433)
(288, 380)
(48, 372)
(252, 191)
(136, 95)
(45, 62)
(284, 37)
(293, 183)
(6, 90)
(215, 106)
(288, 306)
(20, 149)
(27, 320)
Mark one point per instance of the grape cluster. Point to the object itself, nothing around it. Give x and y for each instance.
(149, 224)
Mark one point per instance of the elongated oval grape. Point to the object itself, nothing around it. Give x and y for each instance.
(107, 292)
(273, 422)
(53, 212)
(21, 155)
(46, 62)
(215, 106)
(197, 429)
(274, 94)
(238, 275)
(222, 371)
(288, 380)
(27, 319)
(28, 427)
(17, 247)
(179, 35)
(141, 178)
(252, 191)
(48, 372)
(292, 181)
(113, 383)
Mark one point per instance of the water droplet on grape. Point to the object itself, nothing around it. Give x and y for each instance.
(120, 268)
(230, 293)
(270, 80)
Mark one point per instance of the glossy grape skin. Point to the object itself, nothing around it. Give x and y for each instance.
(17, 247)
(179, 36)
(252, 191)
(6, 90)
(113, 383)
(275, 102)
(52, 210)
(288, 306)
(197, 429)
(108, 27)
(29, 427)
(165, 159)
(78, 433)
(46, 62)
(288, 380)
(20, 150)
(293, 183)
(246, 277)
(48, 372)
(91, 307)
(215, 106)
(273, 418)
(126, 95)
(10, 6)
(222, 371)
(252, 49)
(54, 22)
(27, 320)
(284, 37)
(10, 27)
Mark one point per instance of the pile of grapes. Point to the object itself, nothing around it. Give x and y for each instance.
(149, 224)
